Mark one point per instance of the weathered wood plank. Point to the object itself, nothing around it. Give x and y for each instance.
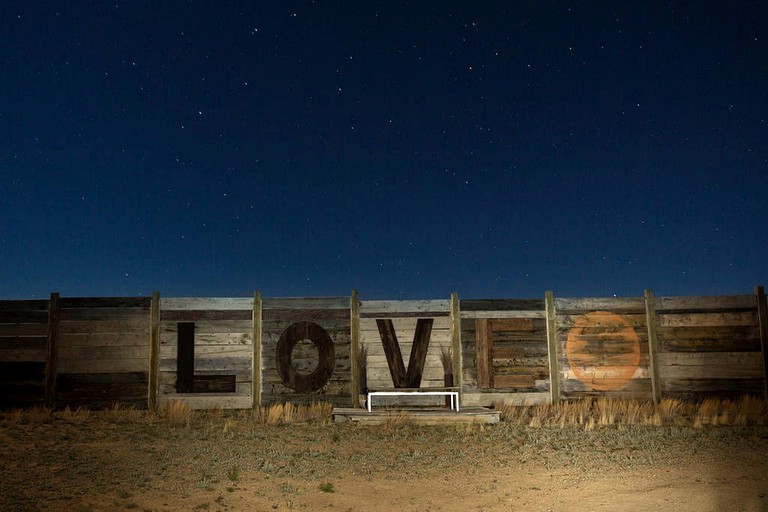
(193, 315)
(617, 305)
(105, 326)
(304, 314)
(104, 340)
(24, 305)
(24, 317)
(354, 330)
(52, 361)
(710, 386)
(306, 303)
(653, 346)
(83, 352)
(711, 359)
(396, 308)
(256, 376)
(499, 305)
(104, 314)
(483, 348)
(503, 314)
(554, 385)
(105, 302)
(39, 329)
(762, 316)
(102, 365)
(154, 349)
(9, 343)
(206, 303)
(708, 319)
(698, 303)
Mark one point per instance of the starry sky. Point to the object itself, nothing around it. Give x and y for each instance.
(403, 149)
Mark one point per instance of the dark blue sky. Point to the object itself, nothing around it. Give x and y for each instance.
(407, 150)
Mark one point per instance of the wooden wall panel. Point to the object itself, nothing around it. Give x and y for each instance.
(103, 351)
(709, 346)
(223, 348)
(330, 313)
(23, 352)
(504, 345)
(602, 347)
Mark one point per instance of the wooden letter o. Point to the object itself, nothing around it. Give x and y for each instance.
(315, 333)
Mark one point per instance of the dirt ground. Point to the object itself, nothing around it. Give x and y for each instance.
(224, 462)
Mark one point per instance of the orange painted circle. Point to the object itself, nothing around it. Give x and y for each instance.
(603, 350)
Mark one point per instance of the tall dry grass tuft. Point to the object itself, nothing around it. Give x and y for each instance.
(78, 415)
(284, 413)
(606, 411)
(446, 359)
(178, 414)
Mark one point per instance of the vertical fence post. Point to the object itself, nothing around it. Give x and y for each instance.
(554, 371)
(458, 360)
(653, 345)
(53, 350)
(256, 360)
(354, 346)
(154, 351)
(762, 314)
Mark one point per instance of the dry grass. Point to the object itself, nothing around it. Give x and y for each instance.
(285, 413)
(177, 414)
(603, 411)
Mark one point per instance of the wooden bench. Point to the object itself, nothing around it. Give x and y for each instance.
(452, 393)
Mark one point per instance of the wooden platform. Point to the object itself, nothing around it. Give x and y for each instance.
(416, 415)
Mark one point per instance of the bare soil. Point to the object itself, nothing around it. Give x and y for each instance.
(229, 462)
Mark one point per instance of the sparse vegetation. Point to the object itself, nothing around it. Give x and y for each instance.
(127, 458)
(589, 413)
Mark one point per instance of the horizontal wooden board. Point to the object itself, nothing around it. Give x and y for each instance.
(707, 319)
(503, 314)
(89, 353)
(66, 365)
(105, 340)
(699, 303)
(24, 329)
(23, 305)
(24, 317)
(193, 315)
(498, 305)
(211, 326)
(304, 314)
(405, 308)
(24, 354)
(104, 302)
(736, 386)
(69, 315)
(135, 325)
(306, 303)
(618, 305)
(23, 343)
(237, 339)
(712, 359)
(206, 303)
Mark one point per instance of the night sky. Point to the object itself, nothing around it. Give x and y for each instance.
(407, 150)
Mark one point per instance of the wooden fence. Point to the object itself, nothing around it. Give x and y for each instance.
(245, 352)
